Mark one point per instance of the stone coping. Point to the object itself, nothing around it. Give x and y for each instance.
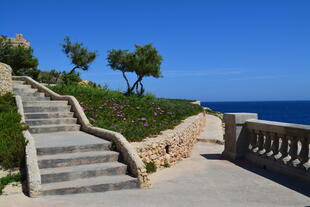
(128, 153)
(32, 167)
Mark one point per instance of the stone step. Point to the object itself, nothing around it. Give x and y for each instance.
(36, 94)
(17, 82)
(24, 90)
(60, 174)
(73, 149)
(17, 86)
(74, 159)
(89, 185)
(28, 109)
(45, 103)
(53, 128)
(45, 115)
(35, 98)
(50, 121)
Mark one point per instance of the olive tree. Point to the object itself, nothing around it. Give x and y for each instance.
(80, 57)
(143, 61)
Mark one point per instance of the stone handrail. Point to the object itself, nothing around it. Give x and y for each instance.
(128, 154)
(32, 167)
(281, 147)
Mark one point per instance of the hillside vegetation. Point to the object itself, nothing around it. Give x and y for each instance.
(136, 117)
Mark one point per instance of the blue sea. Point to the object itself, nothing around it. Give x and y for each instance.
(283, 111)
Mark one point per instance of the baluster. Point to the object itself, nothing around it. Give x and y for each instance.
(255, 142)
(261, 143)
(293, 152)
(283, 148)
(274, 146)
(286, 158)
(253, 139)
(267, 145)
(304, 153)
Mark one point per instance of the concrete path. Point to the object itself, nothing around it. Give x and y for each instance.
(213, 131)
(201, 180)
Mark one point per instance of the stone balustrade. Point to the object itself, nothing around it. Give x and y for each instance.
(277, 146)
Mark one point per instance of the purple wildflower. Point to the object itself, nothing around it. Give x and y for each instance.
(145, 124)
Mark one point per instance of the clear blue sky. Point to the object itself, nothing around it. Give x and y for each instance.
(219, 50)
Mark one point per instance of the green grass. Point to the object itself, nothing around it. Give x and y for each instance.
(133, 116)
(10, 178)
(12, 141)
(150, 167)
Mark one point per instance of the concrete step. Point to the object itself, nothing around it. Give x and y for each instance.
(36, 94)
(73, 149)
(50, 121)
(45, 115)
(17, 86)
(53, 128)
(74, 159)
(24, 90)
(89, 185)
(35, 98)
(44, 103)
(17, 82)
(60, 174)
(29, 109)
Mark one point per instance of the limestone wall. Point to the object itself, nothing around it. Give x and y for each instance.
(171, 145)
(5, 79)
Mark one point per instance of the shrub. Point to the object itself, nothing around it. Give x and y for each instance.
(70, 78)
(9, 179)
(12, 142)
(150, 167)
(49, 77)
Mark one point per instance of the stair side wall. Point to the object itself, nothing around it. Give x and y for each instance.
(5, 79)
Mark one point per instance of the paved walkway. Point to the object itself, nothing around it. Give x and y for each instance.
(201, 180)
(213, 131)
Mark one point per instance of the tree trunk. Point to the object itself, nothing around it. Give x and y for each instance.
(126, 79)
(136, 83)
(73, 69)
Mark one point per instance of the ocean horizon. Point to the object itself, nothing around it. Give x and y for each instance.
(297, 112)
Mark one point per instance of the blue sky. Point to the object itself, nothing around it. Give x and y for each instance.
(220, 50)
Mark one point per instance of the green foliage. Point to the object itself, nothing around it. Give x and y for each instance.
(80, 57)
(150, 167)
(136, 117)
(20, 59)
(12, 141)
(49, 77)
(10, 178)
(166, 164)
(70, 78)
(144, 61)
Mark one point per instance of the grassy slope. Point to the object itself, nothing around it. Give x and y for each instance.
(134, 117)
(12, 142)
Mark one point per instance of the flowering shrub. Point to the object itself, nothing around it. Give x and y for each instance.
(133, 116)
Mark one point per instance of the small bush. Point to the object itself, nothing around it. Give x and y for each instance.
(11, 178)
(166, 164)
(12, 141)
(70, 78)
(150, 167)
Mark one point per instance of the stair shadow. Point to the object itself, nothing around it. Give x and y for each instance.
(287, 181)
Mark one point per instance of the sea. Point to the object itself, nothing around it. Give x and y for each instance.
(297, 112)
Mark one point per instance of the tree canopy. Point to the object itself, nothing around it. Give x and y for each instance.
(143, 61)
(80, 57)
(20, 58)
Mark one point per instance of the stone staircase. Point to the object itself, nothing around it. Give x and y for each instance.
(70, 160)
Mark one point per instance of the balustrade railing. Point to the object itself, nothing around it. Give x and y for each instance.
(281, 147)
(285, 143)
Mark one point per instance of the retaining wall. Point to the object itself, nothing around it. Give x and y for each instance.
(5, 79)
(172, 145)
